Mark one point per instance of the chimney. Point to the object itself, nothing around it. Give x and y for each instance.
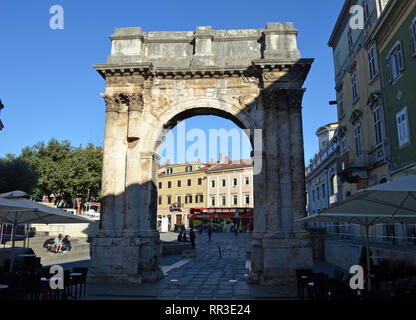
(199, 160)
(168, 162)
(212, 160)
(227, 159)
(220, 157)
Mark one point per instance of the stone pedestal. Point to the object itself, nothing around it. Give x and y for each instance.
(276, 257)
(126, 259)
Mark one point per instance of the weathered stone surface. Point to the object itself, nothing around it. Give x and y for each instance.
(154, 80)
(189, 254)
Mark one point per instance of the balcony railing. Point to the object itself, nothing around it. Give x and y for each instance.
(321, 157)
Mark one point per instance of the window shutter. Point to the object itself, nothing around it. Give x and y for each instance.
(390, 76)
(399, 128)
(405, 127)
(413, 38)
(400, 53)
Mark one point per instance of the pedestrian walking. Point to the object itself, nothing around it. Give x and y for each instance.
(209, 230)
(236, 230)
(200, 228)
(192, 238)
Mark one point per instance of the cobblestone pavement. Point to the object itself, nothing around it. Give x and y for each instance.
(205, 277)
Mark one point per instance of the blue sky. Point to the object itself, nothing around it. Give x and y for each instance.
(49, 88)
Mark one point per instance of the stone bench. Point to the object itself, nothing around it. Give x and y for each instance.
(170, 248)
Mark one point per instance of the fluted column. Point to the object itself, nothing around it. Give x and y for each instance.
(119, 169)
(272, 160)
(108, 191)
(295, 97)
(132, 217)
(285, 176)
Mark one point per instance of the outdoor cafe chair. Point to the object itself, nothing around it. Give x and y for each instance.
(81, 279)
(302, 276)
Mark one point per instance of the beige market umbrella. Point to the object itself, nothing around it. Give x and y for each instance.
(391, 202)
(26, 211)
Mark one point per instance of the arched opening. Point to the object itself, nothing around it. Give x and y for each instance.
(205, 173)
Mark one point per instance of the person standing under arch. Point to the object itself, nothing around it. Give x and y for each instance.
(209, 230)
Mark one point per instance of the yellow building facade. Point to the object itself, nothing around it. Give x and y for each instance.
(181, 187)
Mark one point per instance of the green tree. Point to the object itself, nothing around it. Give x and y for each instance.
(60, 170)
(17, 174)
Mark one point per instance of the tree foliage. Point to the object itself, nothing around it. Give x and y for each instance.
(60, 170)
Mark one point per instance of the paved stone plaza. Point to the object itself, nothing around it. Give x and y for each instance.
(204, 277)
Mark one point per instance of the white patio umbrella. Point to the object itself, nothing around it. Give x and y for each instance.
(26, 211)
(391, 202)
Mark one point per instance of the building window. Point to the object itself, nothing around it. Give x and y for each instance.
(189, 182)
(168, 170)
(313, 195)
(213, 183)
(199, 181)
(160, 200)
(372, 63)
(395, 62)
(188, 198)
(341, 102)
(213, 201)
(323, 191)
(334, 185)
(223, 182)
(349, 35)
(169, 199)
(247, 197)
(318, 193)
(160, 185)
(224, 201)
(403, 127)
(377, 125)
(412, 31)
(188, 169)
(234, 182)
(169, 184)
(354, 85)
(247, 180)
(179, 183)
(199, 198)
(235, 200)
(358, 140)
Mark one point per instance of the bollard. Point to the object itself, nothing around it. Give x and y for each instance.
(219, 251)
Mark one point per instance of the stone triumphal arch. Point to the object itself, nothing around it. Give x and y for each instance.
(153, 79)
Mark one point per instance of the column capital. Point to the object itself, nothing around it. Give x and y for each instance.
(283, 98)
(111, 104)
(123, 102)
(134, 101)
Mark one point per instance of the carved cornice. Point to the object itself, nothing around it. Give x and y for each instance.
(268, 70)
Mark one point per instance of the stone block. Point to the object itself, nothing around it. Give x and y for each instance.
(189, 254)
